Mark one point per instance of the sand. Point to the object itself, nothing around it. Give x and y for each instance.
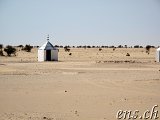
(87, 85)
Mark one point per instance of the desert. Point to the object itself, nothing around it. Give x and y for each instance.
(86, 85)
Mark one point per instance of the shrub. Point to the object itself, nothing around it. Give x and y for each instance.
(100, 49)
(57, 46)
(120, 46)
(125, 46)
(1, 46)
(20, 46)
(66, 49)
(1, 51)
(70, 53)
(148, 47)
(27, 48)
(127, 54)
(136, 46)
(10, 50)
(111, 47)
(88, 46)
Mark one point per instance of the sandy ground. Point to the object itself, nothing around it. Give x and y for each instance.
(87, 85)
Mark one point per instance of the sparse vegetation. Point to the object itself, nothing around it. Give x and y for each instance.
(10, 50)
(100, 49)
(148, 47)
(66, 49)
(27, 48)
(120, 46)
(136, 46)
(21, 46)
(1, 51)
(70, 53)
(88, 46)
(111, 47)
(1, 46)
(57, 46)
(61, 46)
(127, 54)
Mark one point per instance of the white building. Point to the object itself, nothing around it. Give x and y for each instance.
(47, 52)
(158, 55)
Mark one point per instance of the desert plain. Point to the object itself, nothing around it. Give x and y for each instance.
(87, 85)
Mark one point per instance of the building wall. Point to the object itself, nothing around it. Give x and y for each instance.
(44, 55)
(54, 55)
(158, 56)
(40, 55)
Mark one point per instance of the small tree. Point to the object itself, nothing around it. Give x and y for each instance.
(66, 49)
(120, 46)
(136, 46)
(27, 48)
(1, 46)
(148, 47)
(88, 46)
(1, 51)
(10, 50)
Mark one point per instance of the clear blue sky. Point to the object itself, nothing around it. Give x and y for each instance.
(80, 22)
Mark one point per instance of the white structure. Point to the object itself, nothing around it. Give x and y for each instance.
(47, 52)
(158, 55)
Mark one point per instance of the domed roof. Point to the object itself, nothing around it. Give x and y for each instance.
(47, 46)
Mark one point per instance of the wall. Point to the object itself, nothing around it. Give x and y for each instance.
(54, 55)
(40, 55)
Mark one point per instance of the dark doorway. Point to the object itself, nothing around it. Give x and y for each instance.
(48, 55)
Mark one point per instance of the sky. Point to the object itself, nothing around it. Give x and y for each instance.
(80, 22)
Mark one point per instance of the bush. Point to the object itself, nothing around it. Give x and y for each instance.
(125, 46)
(1, 46)
(61, 46)
(20, 46)
(136, 46)
(57, 46)
(127, 54)
(100, 49)
(111, 47)
(120, 46)
(88, 46)
(148, 47)
(66, 49)
(1, 51)
(27, 48)
(10, 50)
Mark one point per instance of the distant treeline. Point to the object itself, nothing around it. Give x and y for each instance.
(89, 46)
(12, 49)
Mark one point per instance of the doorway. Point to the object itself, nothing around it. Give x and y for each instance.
(48, 55)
